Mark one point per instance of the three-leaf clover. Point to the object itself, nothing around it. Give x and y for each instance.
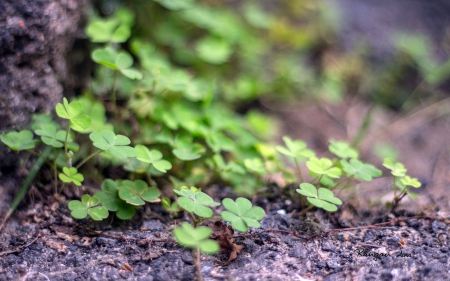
(297, 149)
(255, 165)
(361, 170)
(196, 202)
(190, 237)
(116, 144)
(397, 169)
(74, 113)
(119, 61)
(153, 157)
(71, 175)
(342, 149)
(241, 214)
(80, 209)
(111, 201)
(137, 192)
(54, 138)
(111, 30)
(408, 181)
(322, 198)
(19, 140)
(188, 152)
(323, 166)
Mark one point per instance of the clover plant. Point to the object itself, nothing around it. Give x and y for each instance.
(88, 206)
(22, 140)
(71, 175)
(241, 214)
(321, 198)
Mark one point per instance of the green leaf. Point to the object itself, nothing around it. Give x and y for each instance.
(116, 144)
(74, 113)
(176, 5)
(153, 157)
(323, 166)
(322, 198)
(296, 149)
(255, 165)
(100, 31)
(342, 149)
(196, 202)
(397, 169)
(19, 140)
(87, 205)
(109, 196)
(214, 50)
(50, 137)
(361, 170)
(241, 214)
(408, 181)
(137, 192)
(71, 175)
(188, 152)
(190, 237)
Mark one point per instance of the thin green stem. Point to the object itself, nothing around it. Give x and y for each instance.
(193, 219)
(113, 97)
(69, 163)
(299, 170)
(395, 190)
(55, 173)
(88, 158)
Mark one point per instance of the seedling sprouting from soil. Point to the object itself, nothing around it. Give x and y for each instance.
(242, 214)
(321, 198)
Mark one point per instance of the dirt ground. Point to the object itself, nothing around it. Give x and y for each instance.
(42, 242)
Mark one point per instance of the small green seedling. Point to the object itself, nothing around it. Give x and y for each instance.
(137, 192)
(22, 140)
(153, 157)
(171, 207)
(255, 165)
(242, 214)
(397, 169)
(342, 149)
(323, 166)
(196, 202)
(74, 113)
(408, 181)
(71, 175)
(188, 151)
(88, 206)
(116, 144)
(360, 170)
(321, 198)
(115, 30)
(190, 237)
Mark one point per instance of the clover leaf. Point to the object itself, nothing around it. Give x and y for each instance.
(297, 149)
(51, 137)
(80, 209)
(196, 202)
(116, 144)
(241, 214)
(361, 170)
(119, 61)
(71, 175)
(397, 169)
(74, 113)
(342, 149)
(193, 238)
(214, 50)
(323, 166)
(110, 200)
(255, 165)
(19, 140)
(188, 151)
(137, 192)
(322, 198)
(116, 30)
(408, 181)
(153, 157)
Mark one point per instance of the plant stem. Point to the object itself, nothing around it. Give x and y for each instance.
(299, 170)
(395, 190)
(113, 98)
(193, 219)
(197, 263)
(89, 157)
(55, 171)
(69, 163)
(24, 188)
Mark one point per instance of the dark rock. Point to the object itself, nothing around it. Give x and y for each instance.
(298, 252)
(386, 276)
